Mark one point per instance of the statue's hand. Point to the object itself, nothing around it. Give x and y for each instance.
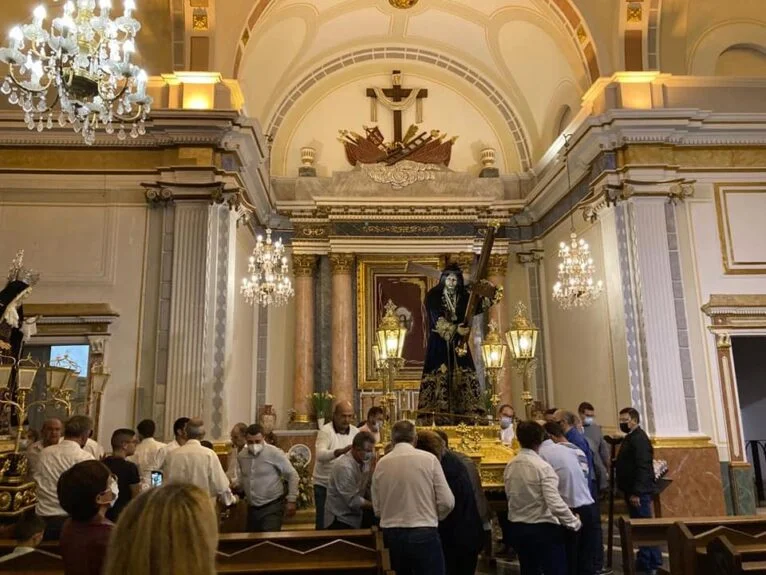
(484, 288)
(463, 330)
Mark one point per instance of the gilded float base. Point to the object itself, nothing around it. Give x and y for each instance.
(16, 498)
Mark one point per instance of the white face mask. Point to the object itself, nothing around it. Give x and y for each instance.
(367, 456)
(255, 448)
(115, 489)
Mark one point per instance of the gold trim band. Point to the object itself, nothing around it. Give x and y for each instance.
(697, 442)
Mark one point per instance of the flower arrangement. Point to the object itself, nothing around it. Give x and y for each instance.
(305, 492)
(321, 401)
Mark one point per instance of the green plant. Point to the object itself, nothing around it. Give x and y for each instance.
(321, 401)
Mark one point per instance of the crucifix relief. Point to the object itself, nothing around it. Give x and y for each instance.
(397, 99)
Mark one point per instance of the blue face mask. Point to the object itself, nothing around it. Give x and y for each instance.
(505, 422)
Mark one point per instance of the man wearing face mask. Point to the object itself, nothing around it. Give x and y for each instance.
(375, 419)
(262, 470)
(349, 477)
(593, 431)
(635, 478)
(506, 415)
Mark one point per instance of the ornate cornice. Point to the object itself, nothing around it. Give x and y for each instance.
(341, 263)
(304, 265)
(464, 260)
(734, 312)
(498, 265)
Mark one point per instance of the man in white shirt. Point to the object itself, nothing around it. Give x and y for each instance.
(263, 468)
(375, 418)
(51, 435)
(505, 416)
(535, 509)
(145, 455)
(237, 443)
(29, 534)
(94, 448)
(333, 440)
(410, 495)
(582, 550)
(195, 464)
(54, 461)
(179, 432)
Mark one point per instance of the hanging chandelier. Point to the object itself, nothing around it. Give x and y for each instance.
(269, 280)
(575, 286)
(80, 66)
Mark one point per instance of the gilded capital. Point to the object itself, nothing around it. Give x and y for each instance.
(341, 263)
(464, 260)
(304, 265)
(498, 265)
(722, 340)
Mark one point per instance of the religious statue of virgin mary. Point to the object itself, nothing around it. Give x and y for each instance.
(449, 385)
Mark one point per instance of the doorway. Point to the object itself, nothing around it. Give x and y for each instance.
(749, 355)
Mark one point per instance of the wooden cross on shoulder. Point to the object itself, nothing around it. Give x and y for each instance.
(397, 94)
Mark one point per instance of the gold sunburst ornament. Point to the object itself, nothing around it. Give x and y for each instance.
(403, 4)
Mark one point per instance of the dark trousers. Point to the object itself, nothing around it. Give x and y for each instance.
(339, 525)
(266, 517)
(505, 525)
(460, 561)
(540, 547)
(415, 551)
(589, 544)
(320, 496)
(648, 558)
(53, 525)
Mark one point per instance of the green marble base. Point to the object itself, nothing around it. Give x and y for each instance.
(739, 488)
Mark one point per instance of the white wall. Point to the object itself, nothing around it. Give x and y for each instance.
(88, 248)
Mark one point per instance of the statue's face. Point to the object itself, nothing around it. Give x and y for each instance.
(450, 282)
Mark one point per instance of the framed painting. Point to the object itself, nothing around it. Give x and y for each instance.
(380, 278)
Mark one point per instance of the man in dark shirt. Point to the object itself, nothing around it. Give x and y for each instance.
(635, 478)
(128, 477)
(567, 421)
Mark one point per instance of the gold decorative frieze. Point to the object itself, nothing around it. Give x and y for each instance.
(341, 263)
(304, 265)
(582, 35)
(635, 13)
(696, 442)
(729, 312)
(407, 229)
(311, 231)
(200, 20)
(498, 265)
(464, 260)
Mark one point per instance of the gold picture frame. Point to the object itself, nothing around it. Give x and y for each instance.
(379, 278)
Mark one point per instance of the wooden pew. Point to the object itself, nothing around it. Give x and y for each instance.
(724, 558)
(688, 550)
(353, 552)
(650, 532)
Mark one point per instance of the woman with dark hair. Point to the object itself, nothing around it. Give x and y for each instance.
(449, 385)
(86, 491)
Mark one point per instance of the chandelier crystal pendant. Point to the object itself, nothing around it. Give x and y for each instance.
(81, 66)
(269, 281)
(575, 287)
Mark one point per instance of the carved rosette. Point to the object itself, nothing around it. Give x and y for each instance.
(498, 265)
(342, 263)
(304, 265)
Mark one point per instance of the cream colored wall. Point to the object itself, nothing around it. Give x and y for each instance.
(579, 350)
(701, 226)
(88, 249)
(240, 388)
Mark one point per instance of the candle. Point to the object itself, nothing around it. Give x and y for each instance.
(38, 16)
(105, 6)
(17, 36)
(128, 48)
(141, 83)
(130, 5)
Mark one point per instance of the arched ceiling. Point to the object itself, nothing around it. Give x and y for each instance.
(526, 59)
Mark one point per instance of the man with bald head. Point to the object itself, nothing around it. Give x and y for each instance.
(51, 435)
(333, 440)
(237, 443)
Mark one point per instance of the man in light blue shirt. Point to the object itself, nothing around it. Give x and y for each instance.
(349, 478)
(263, 468)
(583, 550)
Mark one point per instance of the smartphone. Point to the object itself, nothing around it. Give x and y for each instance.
(156, 478)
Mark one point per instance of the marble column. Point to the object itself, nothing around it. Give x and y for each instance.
(304, 267)
(498, 267)
(342, 327)
(188, 298)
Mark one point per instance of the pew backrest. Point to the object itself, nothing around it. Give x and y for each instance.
(725, 558)
(38, 562)
(688, 550)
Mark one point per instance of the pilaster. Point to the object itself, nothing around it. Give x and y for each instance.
(342, 327)
(496, 272)
(304, 268)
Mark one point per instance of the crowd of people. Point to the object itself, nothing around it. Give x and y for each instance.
(426, 498)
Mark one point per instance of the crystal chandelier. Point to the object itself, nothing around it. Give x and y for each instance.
(81, 66)
(269, 281)
(575, 286)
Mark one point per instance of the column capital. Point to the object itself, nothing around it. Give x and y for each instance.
(463, 259)
(498, 264)
(341, 263)
(530, 257)
(304, 265)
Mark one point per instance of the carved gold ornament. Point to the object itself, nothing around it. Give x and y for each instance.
(400, 175)
(403, 4)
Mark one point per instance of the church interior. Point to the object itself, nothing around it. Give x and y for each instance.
(283, 176)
